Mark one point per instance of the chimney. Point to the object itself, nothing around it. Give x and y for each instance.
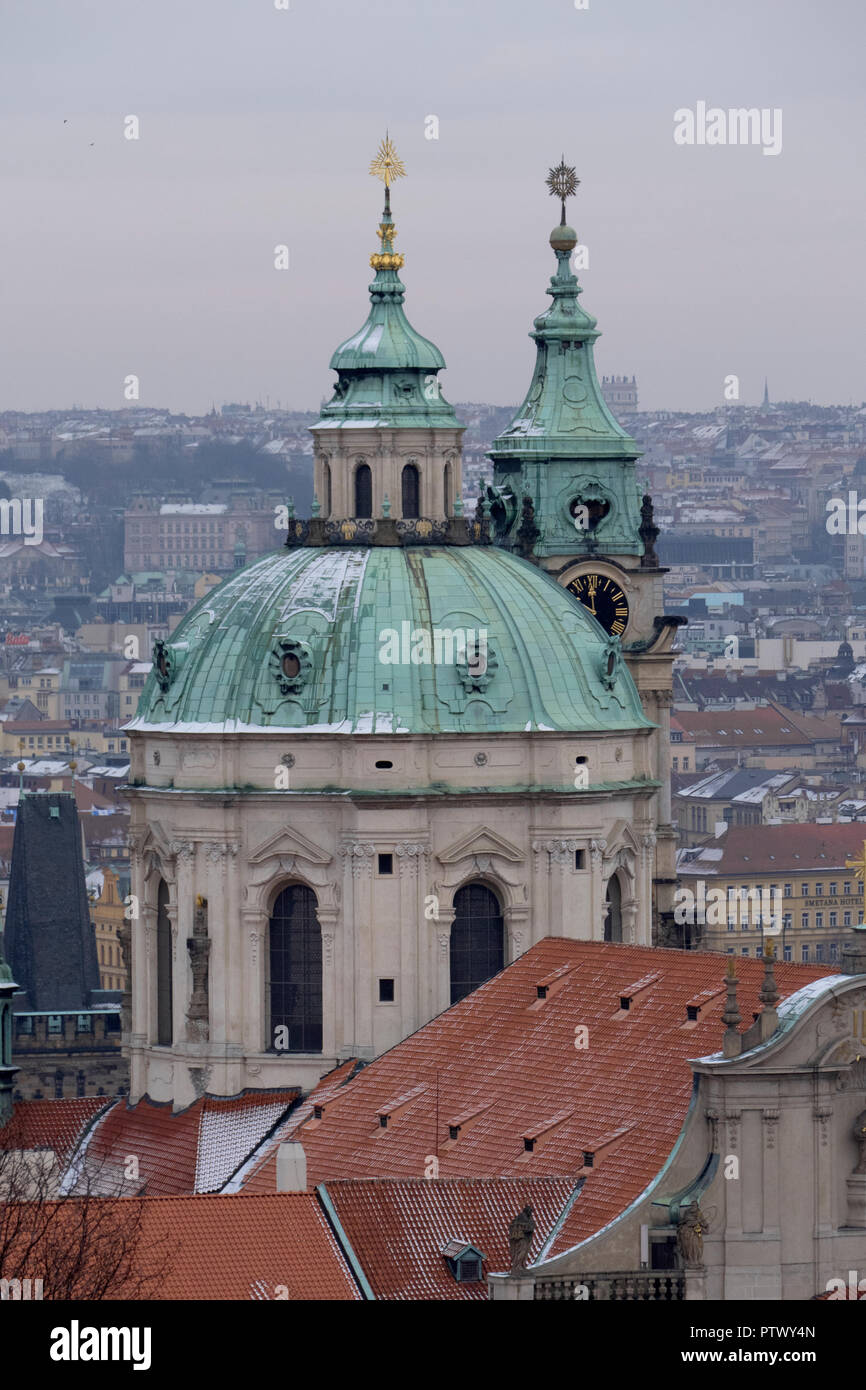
(291, 1168)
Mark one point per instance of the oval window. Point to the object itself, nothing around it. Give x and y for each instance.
(291, 666)
(383, 763)
(611, 663)
(162, 665)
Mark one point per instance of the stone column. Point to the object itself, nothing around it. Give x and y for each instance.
(442, 975)
(412, 861)
(180, 913)
(253, 944)
(331, 1025)
(596, 851)
(771, 1176)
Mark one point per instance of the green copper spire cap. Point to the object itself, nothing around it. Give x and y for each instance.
(564, 452)
(387, 371)
(564, 412)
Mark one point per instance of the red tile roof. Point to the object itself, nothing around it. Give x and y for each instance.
(765, 725)
(512, 1057)
(239, 1248)
(50, 1124)
(790, 849)
(398, 1228)
(194, 1150)
(261, 1174)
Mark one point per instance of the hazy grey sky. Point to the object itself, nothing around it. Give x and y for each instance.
(257, 126)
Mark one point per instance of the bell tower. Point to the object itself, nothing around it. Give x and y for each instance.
(387, 444)
(566, 496)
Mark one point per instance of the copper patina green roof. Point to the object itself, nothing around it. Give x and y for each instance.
(300, 640)
(387, 372)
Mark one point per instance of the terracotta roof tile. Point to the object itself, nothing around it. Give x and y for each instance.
(50, 1124)
(521, 1069)
(194, 1150)
(398, 1229)
(211, 1247)
(790, 848)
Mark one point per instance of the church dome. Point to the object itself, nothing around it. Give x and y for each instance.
(389, 639)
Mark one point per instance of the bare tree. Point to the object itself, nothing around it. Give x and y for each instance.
(89, 1245)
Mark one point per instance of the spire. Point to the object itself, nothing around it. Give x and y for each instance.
(564, 433)
(387, 373)
(766, 401)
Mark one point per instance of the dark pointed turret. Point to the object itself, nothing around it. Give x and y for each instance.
(49, 941)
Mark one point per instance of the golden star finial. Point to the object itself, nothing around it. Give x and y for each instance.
(387, 165)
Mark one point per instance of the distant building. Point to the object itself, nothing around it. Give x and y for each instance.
(66, 1028)
(196, 536)
(108, 911)
(620, 393)
(804, 867)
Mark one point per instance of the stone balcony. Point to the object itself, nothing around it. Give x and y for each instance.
(625, 1286)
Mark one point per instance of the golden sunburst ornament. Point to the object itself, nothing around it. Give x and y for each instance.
(387, 165)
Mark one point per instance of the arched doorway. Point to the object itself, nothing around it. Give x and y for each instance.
(164, 969)
(613, 910)
(363, 491)
(295, 972)
(411, 488)
(477, 939)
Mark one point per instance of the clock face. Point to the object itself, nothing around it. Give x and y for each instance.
(605, 600)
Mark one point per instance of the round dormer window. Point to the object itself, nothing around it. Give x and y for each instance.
(291, 666)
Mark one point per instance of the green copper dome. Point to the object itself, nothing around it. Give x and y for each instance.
(343, 640)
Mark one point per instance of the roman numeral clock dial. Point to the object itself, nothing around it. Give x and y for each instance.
(605, 600)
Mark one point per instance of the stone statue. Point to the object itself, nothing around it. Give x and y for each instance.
(198, 945)
(520, 1233)
(690, 1235)
(860, 1136)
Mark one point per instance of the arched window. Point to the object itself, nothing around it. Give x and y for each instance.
(164, 1030)
(447, 484)
(411, 493)
(363, 490)
(477, 939)
(295, 961)
(327, 481)
(613, 913)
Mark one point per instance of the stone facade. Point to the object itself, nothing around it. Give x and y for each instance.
(83, 1058)
(548, 857)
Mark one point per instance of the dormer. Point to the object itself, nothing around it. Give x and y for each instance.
(466, 1262)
